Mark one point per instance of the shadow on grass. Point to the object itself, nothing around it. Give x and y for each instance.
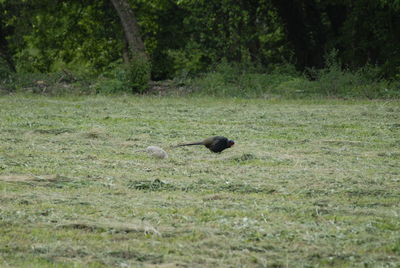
(201, 185)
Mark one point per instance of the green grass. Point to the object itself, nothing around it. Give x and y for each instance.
(308, 184)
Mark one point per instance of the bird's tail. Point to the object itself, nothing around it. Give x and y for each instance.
(189, 144)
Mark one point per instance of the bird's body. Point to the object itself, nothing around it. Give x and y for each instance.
(216, 144)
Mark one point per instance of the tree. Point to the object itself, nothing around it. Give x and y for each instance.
(131, 28)
(304, 30)
(192, 36)
(139, 65)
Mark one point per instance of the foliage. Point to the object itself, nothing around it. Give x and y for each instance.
(237, 31)
(371, 35)
(139, 74)
(58, 36)
(161, 22)
(235, 80)
(187, 38)
(129, 78)
(5, 71)
(364, 82)
(60, 83)
(284, 81)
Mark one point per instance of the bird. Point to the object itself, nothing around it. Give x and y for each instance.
(216, 144)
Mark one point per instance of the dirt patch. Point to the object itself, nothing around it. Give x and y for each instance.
(27, 178)
(113, 227)
(54, 181)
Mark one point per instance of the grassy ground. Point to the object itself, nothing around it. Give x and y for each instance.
(308, 183)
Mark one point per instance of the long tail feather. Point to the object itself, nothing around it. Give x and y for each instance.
(189, 144)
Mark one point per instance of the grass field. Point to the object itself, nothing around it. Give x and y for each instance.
(308, 183)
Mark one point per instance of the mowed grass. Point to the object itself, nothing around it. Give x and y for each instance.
(308, 183)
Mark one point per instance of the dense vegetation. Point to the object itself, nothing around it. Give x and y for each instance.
(271, 45)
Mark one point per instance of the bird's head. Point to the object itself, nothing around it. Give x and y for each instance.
(231, 143)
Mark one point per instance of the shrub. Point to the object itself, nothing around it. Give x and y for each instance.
(188, 62)
(129, 78)
(5, 72)
(139, 71)
(341, 82)
(236, 80)
(56, 83)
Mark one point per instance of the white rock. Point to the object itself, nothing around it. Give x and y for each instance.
(157, 152)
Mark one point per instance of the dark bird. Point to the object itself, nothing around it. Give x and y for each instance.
(216, 144)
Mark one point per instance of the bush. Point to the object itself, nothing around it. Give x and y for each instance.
(5, 72)
(139, 71)
(340, 82)
(56, 83)
(187, 63)
(128, 78)
(236, 80)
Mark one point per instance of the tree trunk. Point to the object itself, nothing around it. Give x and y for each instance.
(131, 28)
